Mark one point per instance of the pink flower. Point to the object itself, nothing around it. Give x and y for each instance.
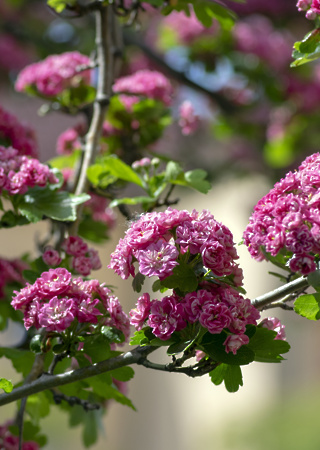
(82, 265)
(140, 314)
(166, 317)
(188, 121)
(158, 259)
(74, 246)
(234, 342)
(54, 74)
(147, 83)
(215, 317)
(55, 281)
(273, 323)
(57, 315)
(51, 256)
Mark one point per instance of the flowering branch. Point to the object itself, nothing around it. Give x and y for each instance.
(50, 381)
(279, 293)
(191, 371)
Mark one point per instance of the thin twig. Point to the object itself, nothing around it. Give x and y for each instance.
(104, 47)
(190, 371)
(58, 397)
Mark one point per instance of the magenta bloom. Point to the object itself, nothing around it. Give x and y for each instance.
(166, 317)
(234, 342)
(188, 120)
(74, 246)
(147, 83)
(287, 218)
(55, 74)
(55, 281)
(158, 259)
(140, 314)
(57, 315)
(215, 317)
(273, 323)
(51, 256)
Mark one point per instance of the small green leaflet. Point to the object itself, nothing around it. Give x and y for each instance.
(308, 306)
(6, 385)
(182, 278)
(266, 348)
(308, 49)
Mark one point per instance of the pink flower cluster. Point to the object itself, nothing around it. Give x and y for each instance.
(158, 240)
(146, 83)
(216, 309)
(10, 442)
(99, 209)
(188, 28)
(311, 7)
(55, 74)
(188, 120)
(16, 134)
(83, 258)
(56, 300)
(11, 272)
(288, 218)
(274, 47)
(18, 173)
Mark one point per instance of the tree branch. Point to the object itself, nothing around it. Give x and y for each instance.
(104, 45)
(47, 381)
(191, 371)
(279, 293)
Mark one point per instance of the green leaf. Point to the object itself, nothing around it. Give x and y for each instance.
(137, 282)
(97, 347)
(308, 306)
(6, 385)
(115, 167)
(314, 279)
(132, 201)
(22, 360)
(112, 334)
(206, 11)
(101, 387)
(231, 375)
(39, 203)
(183, 278)
(61, 162)
(122, 374)
(10, 219)
(196, 180)
(93, 230)
(30, 276)
(212, 345)
(37, 406)
(90, 430)
(266, 347)
(60, 5)
(308, 49)
(139, 338)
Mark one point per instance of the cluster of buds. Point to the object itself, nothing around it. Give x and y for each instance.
(311, 8)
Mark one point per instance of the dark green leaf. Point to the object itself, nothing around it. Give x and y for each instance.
(122, 374)
(314, 279)
(61, 206)
(97, 347)
(137, 282)
(183, 278)
(92, 230)
(30, 276)
(308, 306)
(266, 348)
(231, 375)
(113, 334)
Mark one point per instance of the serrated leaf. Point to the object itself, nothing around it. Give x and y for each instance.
(115, 167)
(308, 306)
(22, 360)
(122, 374)
(61, 206)
(138, 338)
(183, 278)
(231, 375)
(266, 347)
(6, 385)
(137, 282)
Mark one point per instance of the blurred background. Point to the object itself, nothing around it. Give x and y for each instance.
(257, 119)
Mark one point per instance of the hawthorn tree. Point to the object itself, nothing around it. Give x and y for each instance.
(123, 76)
